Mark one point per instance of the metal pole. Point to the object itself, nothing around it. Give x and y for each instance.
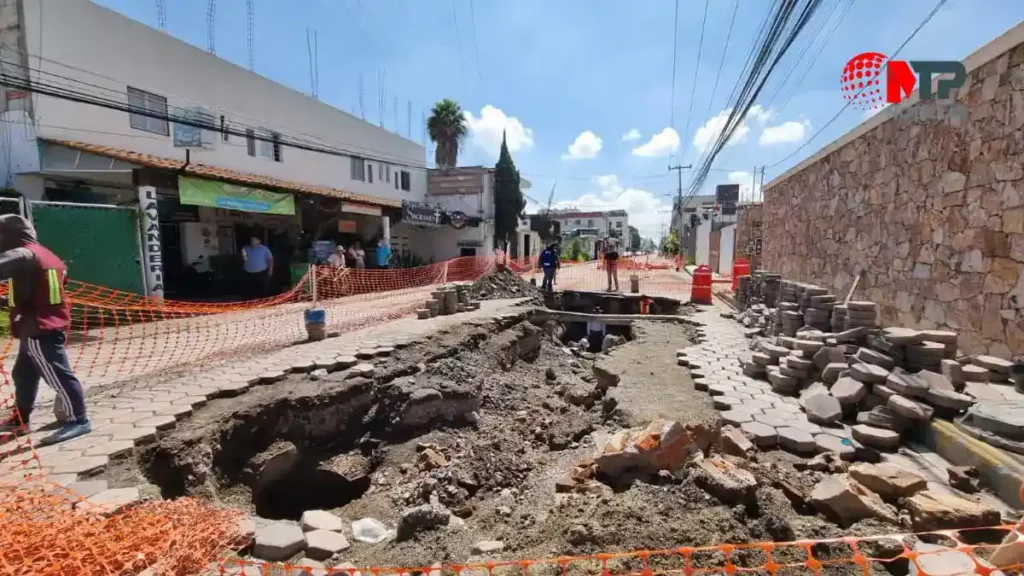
(753, 183)
(679, 208)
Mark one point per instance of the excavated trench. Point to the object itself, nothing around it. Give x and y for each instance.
(303, 443)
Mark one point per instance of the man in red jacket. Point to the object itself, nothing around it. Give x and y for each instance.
(40, 317)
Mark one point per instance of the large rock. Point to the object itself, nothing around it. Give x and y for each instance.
(849, 391)
(876, 437)
(848, 501)
(888, 481)
(935, 510)
(278, 541)
(661, 445)
(822, 409)
(724, 480)
(910, 409)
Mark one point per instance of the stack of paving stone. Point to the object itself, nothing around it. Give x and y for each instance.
(838, 322)
(743, 292)
(770, 288)
(789, 318)
(787, 291)
(860, 314)
(818, 308)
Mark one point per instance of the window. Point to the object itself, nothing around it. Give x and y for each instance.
(590, 222)
(358, 169)
(369, 173)
(406, 185)
(380, 172)
(140, 100)
(250, 141)
(577, 222)
(618, 224)
(223, 129)
(387, 173)
(271, 149)
(396, 179)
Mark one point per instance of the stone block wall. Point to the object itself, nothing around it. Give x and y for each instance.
(930, 212)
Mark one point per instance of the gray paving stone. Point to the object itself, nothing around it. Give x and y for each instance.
(321, 520)
(848, 391)
(806, 426)
(993, 363)
(278, 541)
(346, 361)
(161, 422)
(132, 417)
(80, 465)
(366, 353)
(910, 409)
(795, 440)
(109, 502)
(384, 351)
(868, 373)
(876, 437)
(773, 421)
(823, 408)
(322, 544)
(329, 364)
(86, 488)
(841, 446)
(762, 435)
(271, 376)
(111, 449)
(725, 402)
(735, 418)
(719, 389)
(134, 434)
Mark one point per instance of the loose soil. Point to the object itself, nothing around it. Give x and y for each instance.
(503, 283)
(511, 409)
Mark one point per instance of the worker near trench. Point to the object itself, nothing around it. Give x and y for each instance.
(40, 317)
(549, 264)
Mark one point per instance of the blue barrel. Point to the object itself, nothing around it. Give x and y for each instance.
(316, 316)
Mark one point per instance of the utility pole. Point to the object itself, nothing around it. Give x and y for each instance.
(762, 181)
(753, 183)
(679, 210)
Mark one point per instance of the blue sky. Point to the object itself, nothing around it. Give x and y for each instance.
(584, 87)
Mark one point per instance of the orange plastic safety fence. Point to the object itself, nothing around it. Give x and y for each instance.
(801, 557)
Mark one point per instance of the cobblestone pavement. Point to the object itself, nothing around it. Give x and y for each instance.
(129, 417)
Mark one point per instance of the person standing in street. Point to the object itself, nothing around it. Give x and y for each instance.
(40, 317)
(611, 262)
(337, 258)
(548, 264)
(357, 255)
(259, 267)
(383, 255)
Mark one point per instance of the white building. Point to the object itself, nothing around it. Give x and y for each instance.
(612, 222)
(252, 177)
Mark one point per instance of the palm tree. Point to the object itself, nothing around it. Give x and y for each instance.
(447, 128)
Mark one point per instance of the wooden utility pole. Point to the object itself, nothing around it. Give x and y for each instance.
(679, 211)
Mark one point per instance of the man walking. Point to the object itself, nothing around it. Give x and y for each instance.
(40, 317)
(259, 267)
(548, 263)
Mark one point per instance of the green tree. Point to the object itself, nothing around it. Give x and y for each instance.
(508, 198)
(634, 239)
(447, 128)
(573, 250)
(670, 243)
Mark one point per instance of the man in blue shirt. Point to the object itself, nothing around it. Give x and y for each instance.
(259, 267)
(548, 263)
(383, 255)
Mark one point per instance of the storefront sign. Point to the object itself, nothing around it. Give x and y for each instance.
(420, 214)
(214, 194)
(188, 136)
(353, 208)
(347, 226)
(152, 259)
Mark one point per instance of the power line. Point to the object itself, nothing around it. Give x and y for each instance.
(801, 56)
(675, 52)
(693, 89)
(476, 45)
(885, 66)
(725, 51)
(814, 55)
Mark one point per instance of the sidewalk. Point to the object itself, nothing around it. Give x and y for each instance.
(132, 414)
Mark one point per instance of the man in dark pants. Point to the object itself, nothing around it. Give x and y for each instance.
(40, 317)
(259, 267)
(548, 264)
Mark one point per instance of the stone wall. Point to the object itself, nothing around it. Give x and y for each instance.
(930, 212)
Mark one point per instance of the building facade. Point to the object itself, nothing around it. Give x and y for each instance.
(608, 223)
(102, 110)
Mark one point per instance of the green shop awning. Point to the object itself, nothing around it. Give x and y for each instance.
(214, 194)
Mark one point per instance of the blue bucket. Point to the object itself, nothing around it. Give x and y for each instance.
(316, 316)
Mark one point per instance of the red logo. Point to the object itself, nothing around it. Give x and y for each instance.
(862, 80)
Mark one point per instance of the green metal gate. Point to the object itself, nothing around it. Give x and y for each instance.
(100, 244)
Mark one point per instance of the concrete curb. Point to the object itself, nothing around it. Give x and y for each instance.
(1001, 472)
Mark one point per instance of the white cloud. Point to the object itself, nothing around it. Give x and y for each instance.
(586, 146)
(661, 144)
(487, 129)
(646, 211)
(632, 136)
(746, 182)
(786, 132)
(707, 134)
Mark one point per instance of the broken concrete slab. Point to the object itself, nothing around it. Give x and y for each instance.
(822, 408)
(661, 445)
(887, 480)
(935, 510)
(848, 501)
(868, 373)
(736, 443)
(279, 541)
(876, 437)
(848, 391)
(724, 480)
(909, 408)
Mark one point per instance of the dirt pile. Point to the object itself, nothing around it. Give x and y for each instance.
(502, 283)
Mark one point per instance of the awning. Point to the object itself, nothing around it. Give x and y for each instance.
(223, 174)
